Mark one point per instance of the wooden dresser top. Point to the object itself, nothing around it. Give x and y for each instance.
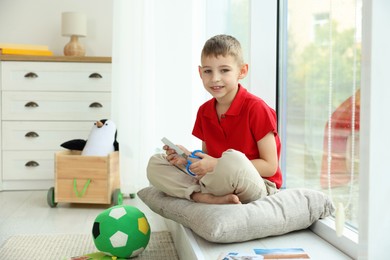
(55, 58)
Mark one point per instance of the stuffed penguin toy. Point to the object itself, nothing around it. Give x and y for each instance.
(102, 139)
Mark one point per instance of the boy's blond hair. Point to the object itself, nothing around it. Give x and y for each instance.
(223, 45)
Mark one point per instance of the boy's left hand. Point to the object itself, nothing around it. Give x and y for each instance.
(200, 167)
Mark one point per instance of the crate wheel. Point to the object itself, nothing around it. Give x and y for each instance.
(117, 197)
(50, 198)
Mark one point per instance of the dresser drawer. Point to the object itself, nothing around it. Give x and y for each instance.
(56, 76)
(36, 135)
(33, 165)
(55, 105)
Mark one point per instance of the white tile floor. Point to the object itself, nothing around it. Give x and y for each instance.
(27, 212)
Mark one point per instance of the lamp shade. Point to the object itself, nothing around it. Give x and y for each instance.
(74, 23)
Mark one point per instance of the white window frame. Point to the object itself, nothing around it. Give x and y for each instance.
(374, 225)
(371, 241)
(348, 242)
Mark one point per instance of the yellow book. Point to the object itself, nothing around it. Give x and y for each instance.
(5, 51)
(24, 46)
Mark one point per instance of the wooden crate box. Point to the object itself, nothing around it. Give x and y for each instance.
(86, 179)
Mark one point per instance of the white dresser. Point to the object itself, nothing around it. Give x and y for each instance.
(46, 101)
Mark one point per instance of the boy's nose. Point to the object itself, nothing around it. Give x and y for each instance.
(216, 78)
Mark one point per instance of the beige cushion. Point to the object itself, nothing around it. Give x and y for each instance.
(286, 211)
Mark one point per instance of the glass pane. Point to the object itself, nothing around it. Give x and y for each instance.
(230, 17)
(323, 99)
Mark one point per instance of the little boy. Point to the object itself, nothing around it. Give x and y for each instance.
(240, 144)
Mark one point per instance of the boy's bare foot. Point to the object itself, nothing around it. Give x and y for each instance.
(211, 199)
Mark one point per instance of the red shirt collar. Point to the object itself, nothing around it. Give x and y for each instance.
(235, 107)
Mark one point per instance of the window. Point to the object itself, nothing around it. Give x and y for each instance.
(320, 20)
(230, 17)
(321, 92)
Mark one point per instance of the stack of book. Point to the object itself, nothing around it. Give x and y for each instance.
(266, 253)
(24, 49)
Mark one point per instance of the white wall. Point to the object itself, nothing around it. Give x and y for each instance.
(39, 22)
(154, 80)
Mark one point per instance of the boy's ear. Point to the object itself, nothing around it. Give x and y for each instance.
(243, 71)
(200, 71)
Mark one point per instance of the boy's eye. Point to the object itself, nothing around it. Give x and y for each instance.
(225, 70)
(207, 71)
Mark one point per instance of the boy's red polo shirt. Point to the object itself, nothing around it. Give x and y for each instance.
(247, 120)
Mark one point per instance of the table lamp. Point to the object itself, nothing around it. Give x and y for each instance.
(74, 25)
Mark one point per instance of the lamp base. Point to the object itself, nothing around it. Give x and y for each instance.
(73, 47)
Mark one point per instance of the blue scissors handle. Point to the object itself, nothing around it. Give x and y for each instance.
(192, 155)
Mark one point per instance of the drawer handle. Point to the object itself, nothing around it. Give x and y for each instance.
(31, 134)
(31, 164)
(31, 75)
(31, 104)
(96, 105)
(95, 75)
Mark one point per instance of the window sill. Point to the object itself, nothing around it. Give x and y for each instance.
(192, 247)
(347, 243)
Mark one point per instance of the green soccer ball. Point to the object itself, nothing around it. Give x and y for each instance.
(122, 231)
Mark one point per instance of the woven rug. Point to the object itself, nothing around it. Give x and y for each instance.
(64, 246)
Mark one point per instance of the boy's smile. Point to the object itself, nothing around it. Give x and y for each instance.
(220, 76)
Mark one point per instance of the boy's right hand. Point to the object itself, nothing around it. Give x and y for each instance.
(173, 158)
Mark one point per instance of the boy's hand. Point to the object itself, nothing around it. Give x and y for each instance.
(200, 167)
(173, 158)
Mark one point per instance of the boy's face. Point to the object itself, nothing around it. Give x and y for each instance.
(220, 76)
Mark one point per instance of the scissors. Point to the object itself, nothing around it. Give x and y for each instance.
(192, 155)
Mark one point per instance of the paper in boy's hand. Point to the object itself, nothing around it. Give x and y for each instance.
(174, 147)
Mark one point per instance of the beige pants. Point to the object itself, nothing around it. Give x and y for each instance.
(234, 174)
